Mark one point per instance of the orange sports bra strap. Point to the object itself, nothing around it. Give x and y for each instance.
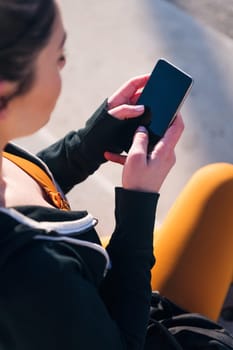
(41, 177)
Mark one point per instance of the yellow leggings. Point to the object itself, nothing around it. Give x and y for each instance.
(194, 246)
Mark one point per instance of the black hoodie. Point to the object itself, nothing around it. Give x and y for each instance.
(59, 288)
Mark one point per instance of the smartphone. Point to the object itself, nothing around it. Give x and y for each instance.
(163, 96)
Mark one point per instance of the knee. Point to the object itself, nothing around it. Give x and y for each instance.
(215, 174)
(213, 180)
(207, 198)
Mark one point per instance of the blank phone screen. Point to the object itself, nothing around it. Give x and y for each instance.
(163, 95)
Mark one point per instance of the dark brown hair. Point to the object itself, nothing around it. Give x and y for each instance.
(25, 28)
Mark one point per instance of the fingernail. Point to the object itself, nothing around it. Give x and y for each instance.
(139, 108)
(142, 129)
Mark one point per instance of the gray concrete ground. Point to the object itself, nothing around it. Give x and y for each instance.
(215, 13)
(111, 41)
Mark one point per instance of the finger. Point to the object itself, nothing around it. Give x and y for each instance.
(131, 87)
(125, 92)
(135, 97)
(126, 111)
(140, 142)
(171, 137)
(115, 158)
(174, 132)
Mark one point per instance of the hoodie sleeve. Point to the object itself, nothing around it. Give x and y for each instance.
(80, 153)
(126, 290)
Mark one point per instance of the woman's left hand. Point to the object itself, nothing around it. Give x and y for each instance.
(122, 103)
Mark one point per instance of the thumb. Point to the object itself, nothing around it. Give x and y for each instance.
(140, 141)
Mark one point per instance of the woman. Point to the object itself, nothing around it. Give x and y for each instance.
(59, 288)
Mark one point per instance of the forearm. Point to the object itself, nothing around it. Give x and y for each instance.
(126, 289)
(80, 153)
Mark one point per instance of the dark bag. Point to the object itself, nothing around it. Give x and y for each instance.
(172, 328)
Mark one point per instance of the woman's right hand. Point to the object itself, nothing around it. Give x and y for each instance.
(143, 172)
